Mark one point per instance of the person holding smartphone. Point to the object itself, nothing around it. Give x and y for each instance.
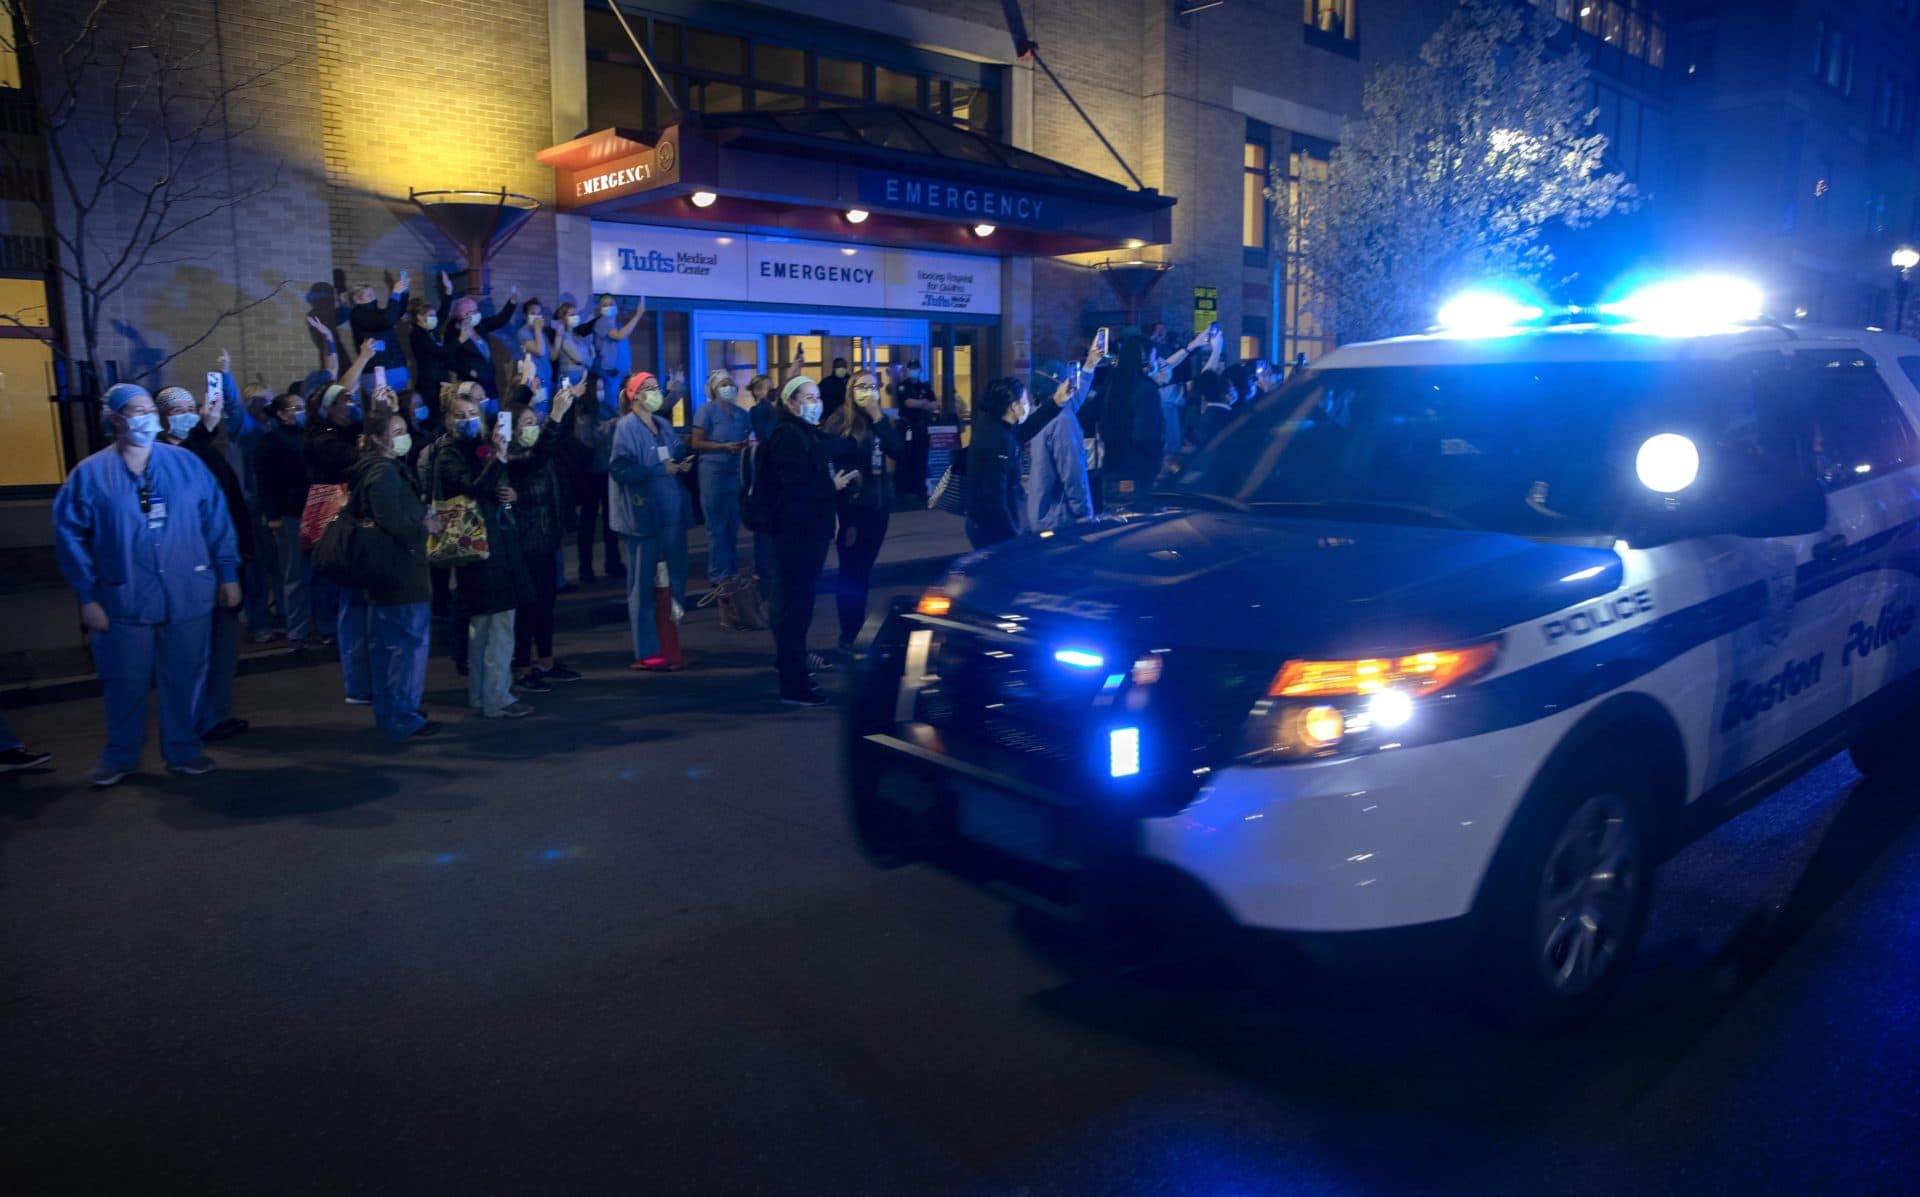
(472, 464)
(531, 472)
(1004, 420)
(648, 508)
(1060, 495)
(370, 322)
(863, 438)
(805, 486)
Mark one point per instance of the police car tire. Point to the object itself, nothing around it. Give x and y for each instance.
(1516, 908)
(1893, 749)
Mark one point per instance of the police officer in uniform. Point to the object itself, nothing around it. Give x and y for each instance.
(914, 397)
(142, 534)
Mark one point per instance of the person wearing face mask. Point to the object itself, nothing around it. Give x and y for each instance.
(537, 514)
(334, 423)
(721, 429)
(611, 342)
(431, 361)
(572, 354)
(1060, 495)
(917, 406)
(1163, 370)
(1005, 419)
(385, 491)
(804, 489)
(594, 420)
(213, 717)
(833, 389)
(862, 439)
(470, 463)
(368, 321)
(531, 343)
(648, 507)
(280, 472)
(465, 338)
(143, 537)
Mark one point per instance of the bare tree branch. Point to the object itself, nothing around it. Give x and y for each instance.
(230, 313)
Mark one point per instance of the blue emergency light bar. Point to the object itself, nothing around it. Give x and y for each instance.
(1690, 305)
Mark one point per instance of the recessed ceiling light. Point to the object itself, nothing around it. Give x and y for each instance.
(856, 215)
(704, 199)
(983, 230)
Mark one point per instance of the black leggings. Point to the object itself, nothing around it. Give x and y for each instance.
(533, 622)
(862, 531)
(797, 581)
(592, 521)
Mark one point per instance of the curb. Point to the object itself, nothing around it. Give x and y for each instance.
(577, 616)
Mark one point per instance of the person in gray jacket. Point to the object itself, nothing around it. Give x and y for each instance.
(1058, 493)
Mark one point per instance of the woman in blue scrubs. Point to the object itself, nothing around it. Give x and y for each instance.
(142, 534)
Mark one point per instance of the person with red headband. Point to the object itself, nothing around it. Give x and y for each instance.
(648, 508)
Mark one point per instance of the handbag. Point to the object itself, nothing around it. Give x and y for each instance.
(950, 494)
(355, 552)
(324, 501)
(462, 538)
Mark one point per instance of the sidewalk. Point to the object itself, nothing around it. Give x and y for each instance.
(918, 546)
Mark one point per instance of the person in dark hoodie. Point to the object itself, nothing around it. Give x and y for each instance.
(465, 339)
(1004, 420)
(385, 491)
(469, 463)
(371, 322)
(535, 478)
(431, 361)
(334, 419)
(804, 493)
(280, 474)
(182, 425)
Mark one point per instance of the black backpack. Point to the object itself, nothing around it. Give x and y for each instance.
(756, 488)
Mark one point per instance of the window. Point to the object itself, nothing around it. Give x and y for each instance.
(1302, 334)
(1859, 430)
(1253, 199)
(896, 88)
(1637, 27)
(1333, 17)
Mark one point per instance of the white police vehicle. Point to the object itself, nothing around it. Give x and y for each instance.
(1449, 641)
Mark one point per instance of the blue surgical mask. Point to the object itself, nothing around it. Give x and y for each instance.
(468, 428)
(180, 423)
(300, 418)
(729, 393)
(810, 412)
(143, 429)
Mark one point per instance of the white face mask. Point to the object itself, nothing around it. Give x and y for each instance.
(473, 319)
(729, 393)
(839, 371)
(570, 319)
(430, 321)
(652, 400)
(403, 444)
(810, 411)
(606, 310)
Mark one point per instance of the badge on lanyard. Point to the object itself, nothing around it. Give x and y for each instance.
(153, 506)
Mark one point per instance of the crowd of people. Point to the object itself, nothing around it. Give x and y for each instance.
(439, 473)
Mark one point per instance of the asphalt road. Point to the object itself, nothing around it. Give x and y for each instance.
(627, 946)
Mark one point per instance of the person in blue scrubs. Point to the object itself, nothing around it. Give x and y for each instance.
(648, 507)
(721, 429)
(142, 534)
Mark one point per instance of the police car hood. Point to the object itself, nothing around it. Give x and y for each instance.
(1281, 584)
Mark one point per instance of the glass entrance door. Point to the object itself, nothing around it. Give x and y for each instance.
(765, 342)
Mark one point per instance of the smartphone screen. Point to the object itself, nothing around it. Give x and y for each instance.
(1100, 341)
(214, 386)
(380, 377)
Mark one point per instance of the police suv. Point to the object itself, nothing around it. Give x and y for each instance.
(1452, 639)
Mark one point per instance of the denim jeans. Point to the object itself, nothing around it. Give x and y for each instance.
(644, 554)
(353, 628)
(490, 662)
(397, 657)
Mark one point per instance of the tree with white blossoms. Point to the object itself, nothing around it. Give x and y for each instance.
(1451, 175)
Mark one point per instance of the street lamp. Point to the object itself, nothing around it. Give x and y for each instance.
(1904, 260)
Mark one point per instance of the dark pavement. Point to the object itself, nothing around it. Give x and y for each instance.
(627, 946)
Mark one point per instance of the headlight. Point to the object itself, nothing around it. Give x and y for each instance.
(1316, 709)
(933, 603)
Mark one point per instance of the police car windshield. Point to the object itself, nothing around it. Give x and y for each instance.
(1535, 449)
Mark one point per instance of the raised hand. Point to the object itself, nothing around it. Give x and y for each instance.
(562, 404)
(319, 326)
(226, 362)
(446, 284)
(400, 286)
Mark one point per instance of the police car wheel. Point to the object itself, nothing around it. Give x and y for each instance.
(1568, 908)
(1892, 749)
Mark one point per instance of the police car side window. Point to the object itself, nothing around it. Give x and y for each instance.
(1911, 367)
(1860, 430)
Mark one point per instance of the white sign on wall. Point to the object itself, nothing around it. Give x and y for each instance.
(634, 259)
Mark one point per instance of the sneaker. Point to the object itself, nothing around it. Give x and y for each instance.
(812, 698)
(560, 673)
(226, 729)
(359, 702)
(518, 710)
(15, 759)
(533, 683)
(660, 665)
(196, 767)
(102, 776)
(429, 728)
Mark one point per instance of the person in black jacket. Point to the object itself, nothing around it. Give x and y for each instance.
(182, 426)
(370, 322)
(863, 439)
(385, 491)
(799, 458)
(431, 362)
(1004, 420)
(468, 355)
(535, 478)
(491, 590)
(280, 476)
(334, 419)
